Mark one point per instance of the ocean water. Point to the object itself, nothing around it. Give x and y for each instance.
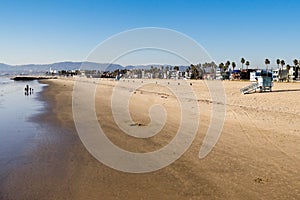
(16, 128)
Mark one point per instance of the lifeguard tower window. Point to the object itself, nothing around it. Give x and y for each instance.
(264, 73)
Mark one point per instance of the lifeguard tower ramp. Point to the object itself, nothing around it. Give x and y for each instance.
(250, 88)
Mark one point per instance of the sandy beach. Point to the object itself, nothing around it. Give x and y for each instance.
(257, 155)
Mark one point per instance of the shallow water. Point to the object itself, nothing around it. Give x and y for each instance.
(16, 129)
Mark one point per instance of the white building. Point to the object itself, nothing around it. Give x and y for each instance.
(218, 74)
(293, 73)
(253, 76)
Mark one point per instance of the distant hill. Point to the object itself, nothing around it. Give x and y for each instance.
(42, 68)
(4, 66)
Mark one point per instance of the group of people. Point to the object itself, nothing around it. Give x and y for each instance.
(28, 90)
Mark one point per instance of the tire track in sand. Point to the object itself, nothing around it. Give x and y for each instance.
(266, 137)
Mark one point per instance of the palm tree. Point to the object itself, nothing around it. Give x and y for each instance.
(167, 71)
(288, 67)
(267, 62)
(243, 62)
(227, 64)
(297, 70)
(221, 66)
(296, 62)
(195, 72)
(282, 63)
(233, 65)
(278, 62)
(226, 67)
(247, 64)
(214, 65)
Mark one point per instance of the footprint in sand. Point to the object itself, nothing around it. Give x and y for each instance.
(260, 180)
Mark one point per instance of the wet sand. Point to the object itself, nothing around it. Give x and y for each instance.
(256, 157)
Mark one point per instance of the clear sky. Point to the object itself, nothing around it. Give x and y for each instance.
(47, 31)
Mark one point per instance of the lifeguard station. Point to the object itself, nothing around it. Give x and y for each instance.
(264, 82)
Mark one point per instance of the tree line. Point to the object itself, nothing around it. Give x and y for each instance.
(279, 62)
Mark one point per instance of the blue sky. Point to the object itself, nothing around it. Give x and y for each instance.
(51, 31)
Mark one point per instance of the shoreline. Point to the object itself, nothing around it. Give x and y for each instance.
(254, 158)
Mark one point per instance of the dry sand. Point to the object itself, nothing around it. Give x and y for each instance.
(256, 157)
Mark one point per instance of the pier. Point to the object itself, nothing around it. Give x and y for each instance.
(30, 78)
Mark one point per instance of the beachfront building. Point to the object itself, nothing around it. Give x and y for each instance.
(209, 73)
(276, 75)
(280, 75)
(53, 72)
(253, 76)
(293, 74)
(143, 74)
(188, 74)
(235, 75)
(218, 74)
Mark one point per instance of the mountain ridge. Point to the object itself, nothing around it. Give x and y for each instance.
(70, 65)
